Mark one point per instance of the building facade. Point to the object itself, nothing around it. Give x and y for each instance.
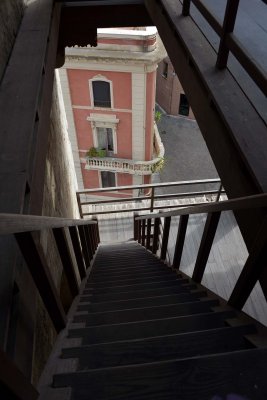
(170, 94)
(109, 94)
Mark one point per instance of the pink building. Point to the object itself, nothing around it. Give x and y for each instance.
(109, 95)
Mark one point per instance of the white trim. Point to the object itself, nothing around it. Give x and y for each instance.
(101, 78)
(104, 121)
(112, 65)
(100, 109)
(138, 115)
(117, 33)
(71, 125)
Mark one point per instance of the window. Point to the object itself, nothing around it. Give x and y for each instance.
(184, 105)
(101, 94)
(165, 69)
(105, 139)
(108, 179)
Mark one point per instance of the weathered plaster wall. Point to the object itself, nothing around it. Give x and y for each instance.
(11, 12)
(59, 201)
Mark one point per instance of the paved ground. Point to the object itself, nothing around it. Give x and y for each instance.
(186, 153)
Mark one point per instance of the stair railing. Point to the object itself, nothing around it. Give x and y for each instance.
(76, 241)
(255, 265)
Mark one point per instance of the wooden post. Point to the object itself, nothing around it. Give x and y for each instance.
(228, 27)
(148, 234)
(152, 199)
(85, 250)
(165, 239)
(186, 8)
(156, 236)
(205, 245)
(135, 226)
(77, 250)
(143, 235)
(253, 270)
(180, 241)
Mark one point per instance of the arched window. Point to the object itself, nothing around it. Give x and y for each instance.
(101, 94)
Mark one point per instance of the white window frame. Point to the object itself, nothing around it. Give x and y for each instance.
(100, 179)
(101, 78)
(104, 121)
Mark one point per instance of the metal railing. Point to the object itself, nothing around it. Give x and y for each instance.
(151, 198)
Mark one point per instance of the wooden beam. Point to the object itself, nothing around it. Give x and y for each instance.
(155, 235)
(63, 245)
(36, 261)
(179, 245)
(15, 223)
(205, 245)
(253, 270)
(12, 378)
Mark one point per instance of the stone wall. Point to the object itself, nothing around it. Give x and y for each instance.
(11, 12)
(59, 201)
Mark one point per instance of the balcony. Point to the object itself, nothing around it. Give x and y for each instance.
(128, 166)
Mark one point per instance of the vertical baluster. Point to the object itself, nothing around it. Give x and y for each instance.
(180, 241)
(139, 231)
(77, 250)
(85, 250)
(135, 226)
(148, 234)
(89, 242)
(143, 232)
(186, 8)
(165, 239)
(205, 245)
(156, 236)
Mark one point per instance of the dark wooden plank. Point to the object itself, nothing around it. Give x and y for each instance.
(36, 262)
(162, 348)
(89, 242)
(14, 381)
(139, 294)
(186, 8)
(63, 245)
(135, 226)
(205, 245)
(132, 281)
(228, 27)
(165, 239)
(138, 303)
(146, 313)
(253, 270)
(139, 330)
(15, 223)
(179, 245)
(188, 379)
(82, 234)
(78, 251)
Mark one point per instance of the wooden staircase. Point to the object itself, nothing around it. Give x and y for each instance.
(149, 332)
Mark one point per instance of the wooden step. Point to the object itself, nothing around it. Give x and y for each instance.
(130, 271)
(138, 303)
(134, 280)
(136, 287)
(238, 375)
(162, 348)
(170, 289)
(124, 266)
(146, 313)
(144, 329)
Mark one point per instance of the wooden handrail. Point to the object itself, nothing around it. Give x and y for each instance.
(16, 223)
(241, 203)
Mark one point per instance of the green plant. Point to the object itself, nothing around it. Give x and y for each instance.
(93, 152)
(157, 167)
(158, 116)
